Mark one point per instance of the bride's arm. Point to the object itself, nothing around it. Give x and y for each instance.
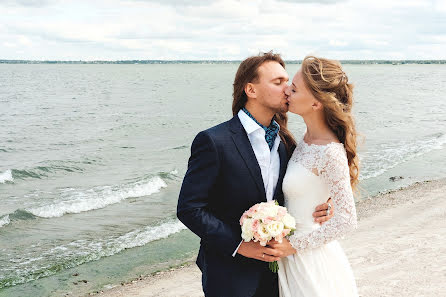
(335, 172)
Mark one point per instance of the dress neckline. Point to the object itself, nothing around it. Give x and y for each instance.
(319, 145)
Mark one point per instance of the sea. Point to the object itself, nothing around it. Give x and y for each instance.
(92, 158)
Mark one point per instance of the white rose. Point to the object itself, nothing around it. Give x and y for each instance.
(272, 212)
(257, 215)
(269, 211)
(289, 221)
(263, 232)
(247, 232)
(274, 228)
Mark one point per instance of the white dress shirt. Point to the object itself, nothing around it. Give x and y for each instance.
(269, 160)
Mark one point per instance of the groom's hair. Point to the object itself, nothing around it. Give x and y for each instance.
(248, 72)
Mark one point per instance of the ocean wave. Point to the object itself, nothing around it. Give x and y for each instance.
(44, 171)
(77, 201)
(172, 175)
(6, 177)
(18, 215)
(30, 267)
(111, 246)
(47, 168)
(182, 147)
(388, 155)
(148, 234)
(4, 220)
(21, 215)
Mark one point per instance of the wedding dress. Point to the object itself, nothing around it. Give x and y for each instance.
(320, 267)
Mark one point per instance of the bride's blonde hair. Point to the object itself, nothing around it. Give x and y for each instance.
(329, 85)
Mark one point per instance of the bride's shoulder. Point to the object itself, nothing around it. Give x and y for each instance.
(334, 152)
(334, 162)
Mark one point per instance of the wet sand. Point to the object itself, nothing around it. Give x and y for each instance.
(399, 249)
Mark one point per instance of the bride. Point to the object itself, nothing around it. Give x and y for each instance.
(324, 164)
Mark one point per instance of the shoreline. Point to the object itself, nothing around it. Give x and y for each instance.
(396, 250)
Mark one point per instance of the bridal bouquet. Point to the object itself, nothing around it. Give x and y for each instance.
(267, 221)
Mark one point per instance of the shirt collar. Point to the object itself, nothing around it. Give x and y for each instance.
(249, 124)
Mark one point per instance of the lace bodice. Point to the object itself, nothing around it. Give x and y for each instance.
(315, 173)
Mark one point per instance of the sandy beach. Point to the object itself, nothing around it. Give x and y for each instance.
(399, 249)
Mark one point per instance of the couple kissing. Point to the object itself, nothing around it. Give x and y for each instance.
(254, 158)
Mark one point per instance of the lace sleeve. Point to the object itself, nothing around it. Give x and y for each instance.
(333, 168)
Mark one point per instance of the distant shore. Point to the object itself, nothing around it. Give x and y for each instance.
(398, 250)
(360, 62)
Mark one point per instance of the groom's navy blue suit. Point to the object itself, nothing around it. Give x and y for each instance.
(222, 181)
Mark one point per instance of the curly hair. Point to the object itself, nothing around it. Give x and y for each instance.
(329, 85)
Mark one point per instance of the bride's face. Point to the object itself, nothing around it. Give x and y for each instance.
(300, 100)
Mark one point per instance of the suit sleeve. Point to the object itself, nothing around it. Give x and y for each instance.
(195, 195)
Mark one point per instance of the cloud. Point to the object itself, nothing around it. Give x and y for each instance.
(177, 3)
(30, 3)
(314, 1)
(221, 29)
(8, 44)
(338, 43)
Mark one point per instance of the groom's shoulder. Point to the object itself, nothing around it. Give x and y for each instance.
(220, 135)
(220, 130)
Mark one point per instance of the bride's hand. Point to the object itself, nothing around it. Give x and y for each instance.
(320, 213)
(254, 250)
(283, 248)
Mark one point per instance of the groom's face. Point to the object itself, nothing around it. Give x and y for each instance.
(271, 86)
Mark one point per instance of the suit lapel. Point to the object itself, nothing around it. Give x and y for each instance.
(244, 147)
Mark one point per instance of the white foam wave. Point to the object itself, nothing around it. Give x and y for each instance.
(35, 263)
(4, 220)
(135, 238)
(148, 234)
(75, 201)
(6, 176)
(389, 155)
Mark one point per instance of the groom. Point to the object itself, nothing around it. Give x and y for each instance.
(233, 166)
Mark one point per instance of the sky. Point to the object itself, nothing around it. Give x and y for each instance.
(221, 29)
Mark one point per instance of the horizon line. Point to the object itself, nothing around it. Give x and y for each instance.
(161, 61)
(411, 59)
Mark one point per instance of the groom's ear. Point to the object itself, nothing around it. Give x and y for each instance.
(250, 90)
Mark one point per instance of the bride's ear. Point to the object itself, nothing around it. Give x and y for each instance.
(316, 105)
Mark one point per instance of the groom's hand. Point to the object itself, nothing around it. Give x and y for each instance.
(320, 214)
(254, 250)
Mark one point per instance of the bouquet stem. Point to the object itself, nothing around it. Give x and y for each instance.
(273, 266)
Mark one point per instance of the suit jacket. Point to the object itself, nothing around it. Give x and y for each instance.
(222, 181)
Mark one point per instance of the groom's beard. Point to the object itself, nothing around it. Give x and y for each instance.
(282, 109)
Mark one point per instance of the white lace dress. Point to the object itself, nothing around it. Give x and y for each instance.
(320, 267)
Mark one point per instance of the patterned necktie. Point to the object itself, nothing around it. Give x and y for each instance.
(270, 131)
